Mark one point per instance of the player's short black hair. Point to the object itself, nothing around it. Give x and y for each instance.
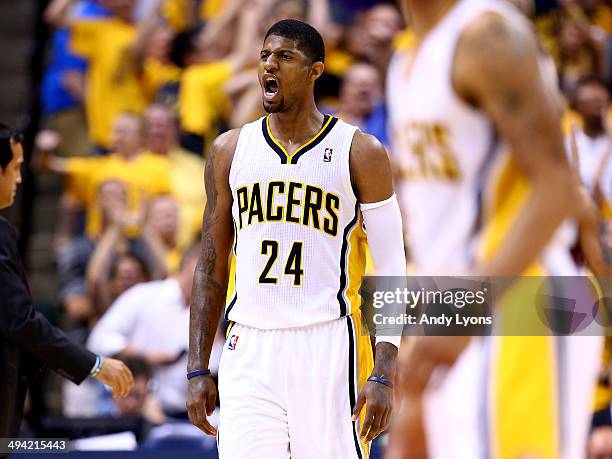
(309, 40)
(183, 44)
(7, 135)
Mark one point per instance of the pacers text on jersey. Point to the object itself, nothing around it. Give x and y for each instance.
(292, 202)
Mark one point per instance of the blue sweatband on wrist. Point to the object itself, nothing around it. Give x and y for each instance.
(194, 373)
(384, 381)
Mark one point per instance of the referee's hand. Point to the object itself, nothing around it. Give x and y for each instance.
(117, 375)
(201, 398)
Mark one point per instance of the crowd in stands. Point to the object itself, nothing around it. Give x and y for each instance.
(134, 93)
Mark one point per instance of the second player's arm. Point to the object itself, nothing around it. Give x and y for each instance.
(210, 279)
(496, 68)
(372, 181)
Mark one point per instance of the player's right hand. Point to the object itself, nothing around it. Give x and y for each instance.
(118, 376)
(201, 398)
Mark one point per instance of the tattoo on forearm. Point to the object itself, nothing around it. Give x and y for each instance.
(206, 304)
(208, 256)
(386, 354)
(208, 295)
(211, 193)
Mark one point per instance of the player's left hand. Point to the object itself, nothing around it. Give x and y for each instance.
(378, 400)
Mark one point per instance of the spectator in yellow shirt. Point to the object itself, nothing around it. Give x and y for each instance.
(145, 174)
(186, 170)
(113, 80)
(209, 57)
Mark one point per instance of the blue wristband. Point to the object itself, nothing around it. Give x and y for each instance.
(194, 373)
(384, 381)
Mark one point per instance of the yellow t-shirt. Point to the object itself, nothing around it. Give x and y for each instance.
(405, 40)
(174, 12)
(144, 176)
(80, 173)
(202, 100)
(603, 395)
(187, 183)
(209, 9)
(603, 18)
(338, 62)
(157, 74)
(113, 84)
(173, 260)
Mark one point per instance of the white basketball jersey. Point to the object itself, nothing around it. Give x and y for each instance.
(460, 188)
(299, 242)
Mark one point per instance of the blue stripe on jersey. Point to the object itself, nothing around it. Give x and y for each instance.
(352, 376)
(343, 262)
(316, 141)
(328, 124)
(278, 150)
(483, 177)
(229, 307)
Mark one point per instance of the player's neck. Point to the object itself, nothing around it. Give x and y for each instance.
(423, 16)
(298, 125)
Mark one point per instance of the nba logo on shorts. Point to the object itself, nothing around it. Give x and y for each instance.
(327, 155)
(233, 341)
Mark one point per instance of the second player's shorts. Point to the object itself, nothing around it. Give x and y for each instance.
(289, 393)
(515, 396)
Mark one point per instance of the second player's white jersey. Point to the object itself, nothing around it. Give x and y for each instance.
(460, 188)
(298, 234)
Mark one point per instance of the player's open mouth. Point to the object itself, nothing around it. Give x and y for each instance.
(271, 88)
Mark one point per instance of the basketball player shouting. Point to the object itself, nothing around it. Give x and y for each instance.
(476, 129)
(295, 190)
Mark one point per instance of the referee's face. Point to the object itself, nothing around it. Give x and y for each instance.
(10, 177)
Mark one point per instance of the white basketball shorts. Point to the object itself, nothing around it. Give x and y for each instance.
(289, 393)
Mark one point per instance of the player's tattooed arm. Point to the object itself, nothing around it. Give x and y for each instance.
(497, 69)
(210, 278)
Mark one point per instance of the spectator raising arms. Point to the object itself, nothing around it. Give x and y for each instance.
(84, 265)
(145, 174)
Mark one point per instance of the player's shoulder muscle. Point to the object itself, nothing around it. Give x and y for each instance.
(221, 153)
(370, 167)
(494, 50)
(366, 150)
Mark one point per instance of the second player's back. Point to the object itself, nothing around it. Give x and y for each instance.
(448, 152)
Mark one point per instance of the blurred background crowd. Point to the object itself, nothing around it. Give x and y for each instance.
(126, 96)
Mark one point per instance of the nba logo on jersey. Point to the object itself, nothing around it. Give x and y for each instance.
(327, 155)
(233, 341)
